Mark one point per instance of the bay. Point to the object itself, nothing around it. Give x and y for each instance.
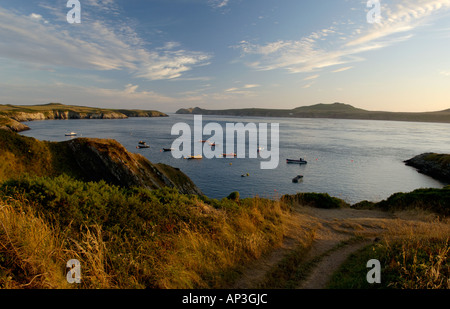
(353, 160)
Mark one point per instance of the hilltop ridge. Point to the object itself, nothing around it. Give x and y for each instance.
(334, 111)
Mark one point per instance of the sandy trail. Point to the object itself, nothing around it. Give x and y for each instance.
(330, 228)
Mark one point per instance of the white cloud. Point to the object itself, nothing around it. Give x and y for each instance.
(38, 17)
(218, 3)
(91, 46)
(308, 54)
(251, 86)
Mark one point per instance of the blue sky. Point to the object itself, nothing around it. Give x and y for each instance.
(216, 54)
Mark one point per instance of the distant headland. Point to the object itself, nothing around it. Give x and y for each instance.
(12, 115)
(335, 111)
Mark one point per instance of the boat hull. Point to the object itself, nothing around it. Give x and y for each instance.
(288, 161)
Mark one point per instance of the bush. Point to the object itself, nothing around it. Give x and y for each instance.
(435, 200)
(234, 196)
(317, 200)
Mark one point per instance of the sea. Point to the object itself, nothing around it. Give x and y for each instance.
(354, 160)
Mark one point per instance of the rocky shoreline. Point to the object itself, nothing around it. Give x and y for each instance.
(433, 165)
(11, 116)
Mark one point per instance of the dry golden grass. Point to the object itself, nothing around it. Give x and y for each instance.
(200, 259)
(31, 249)
(34, 254)
(418, 252)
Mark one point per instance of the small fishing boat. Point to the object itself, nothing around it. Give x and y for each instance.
(71, 134)
(229, 155)
(291, 161)
(297, 179)
(199, 157)
(142, 145)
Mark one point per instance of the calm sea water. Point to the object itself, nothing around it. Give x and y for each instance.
(351, 159)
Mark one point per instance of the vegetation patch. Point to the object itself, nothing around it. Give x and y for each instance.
(318, 200)
(434, 200)
(129, 237)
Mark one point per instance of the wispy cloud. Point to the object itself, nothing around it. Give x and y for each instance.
(218, 3)
(246, 90)
(342, 69)
(312, 77)
(93, 45)
(309, 54)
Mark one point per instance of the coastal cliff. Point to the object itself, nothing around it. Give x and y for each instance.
(88, 160)
(432, 164)
(9, 124)
(11, 115)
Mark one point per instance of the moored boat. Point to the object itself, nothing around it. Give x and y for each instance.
(291, 161)
(229, 155)
(199, 157)
(142, 145)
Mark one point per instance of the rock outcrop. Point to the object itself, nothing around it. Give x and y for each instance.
(100, 159)
(88, 160)
(433, 165)
(9, 124)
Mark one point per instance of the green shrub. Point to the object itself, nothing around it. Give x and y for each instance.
(234, 196)
(317, 200)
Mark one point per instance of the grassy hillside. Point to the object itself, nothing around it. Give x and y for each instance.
(61, 111)
(87, 160)
(8, 108)
(411, 259)
(335, 110)
(433, 200)
(128, 237)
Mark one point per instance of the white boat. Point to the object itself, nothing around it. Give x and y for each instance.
(71, 134)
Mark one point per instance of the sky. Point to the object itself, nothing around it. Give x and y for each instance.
(221, 54)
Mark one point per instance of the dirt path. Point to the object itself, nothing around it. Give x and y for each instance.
(329, 229)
